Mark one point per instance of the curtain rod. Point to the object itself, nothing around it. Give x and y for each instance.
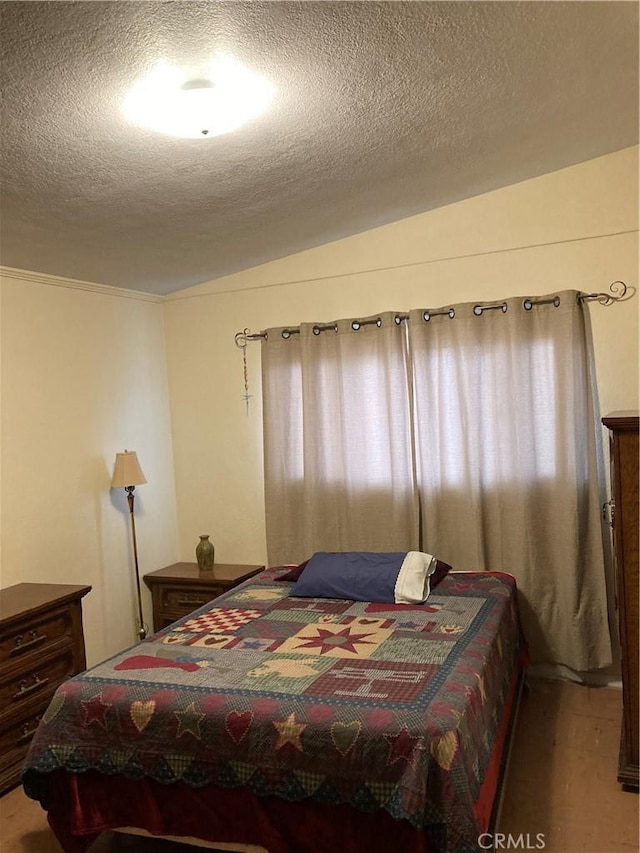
(618, 293)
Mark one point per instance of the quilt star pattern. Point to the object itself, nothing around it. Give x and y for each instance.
(380, 706)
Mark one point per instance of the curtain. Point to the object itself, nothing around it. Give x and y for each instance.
(339, 464)
(473, 436)
(508, 465)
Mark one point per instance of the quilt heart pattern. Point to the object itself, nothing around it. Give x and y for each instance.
(238, 724)
(344, 735)
(141, 713)
(444, 749)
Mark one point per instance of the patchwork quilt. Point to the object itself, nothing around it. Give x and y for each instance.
(380, 706)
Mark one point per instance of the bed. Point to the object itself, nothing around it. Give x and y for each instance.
(299, 725)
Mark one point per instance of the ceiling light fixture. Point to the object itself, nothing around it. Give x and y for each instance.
(167, 101)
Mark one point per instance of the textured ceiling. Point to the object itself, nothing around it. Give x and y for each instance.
(382, 110)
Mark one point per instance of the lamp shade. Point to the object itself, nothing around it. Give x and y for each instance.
(127, 471)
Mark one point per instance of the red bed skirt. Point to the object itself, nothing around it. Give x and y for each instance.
(82, 806)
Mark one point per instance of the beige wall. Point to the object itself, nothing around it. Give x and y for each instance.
(83, 376)
(575, 228)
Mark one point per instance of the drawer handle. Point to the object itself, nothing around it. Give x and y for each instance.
(20, 645)
(27, 689)
(188, 600)
(28, 733)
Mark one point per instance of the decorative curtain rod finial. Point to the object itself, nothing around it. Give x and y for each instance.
(245, 335)
(620, 292)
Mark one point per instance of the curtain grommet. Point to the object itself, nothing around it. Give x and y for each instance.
(479, 310)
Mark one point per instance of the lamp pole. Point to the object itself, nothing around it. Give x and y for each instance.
(142, 631)
(127, 474)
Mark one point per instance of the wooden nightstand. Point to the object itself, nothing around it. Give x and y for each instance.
(179, 589)
(41, 645)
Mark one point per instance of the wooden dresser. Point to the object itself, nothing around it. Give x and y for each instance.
(179, 589)
(625, 451)
(41, 645)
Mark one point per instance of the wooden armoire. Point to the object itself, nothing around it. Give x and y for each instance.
(625, 452)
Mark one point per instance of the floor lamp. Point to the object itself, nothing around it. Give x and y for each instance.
(127, 474)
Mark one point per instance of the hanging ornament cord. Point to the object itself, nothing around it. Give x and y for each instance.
(241, 341)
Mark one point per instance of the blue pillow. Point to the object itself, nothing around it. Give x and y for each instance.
(366, 576)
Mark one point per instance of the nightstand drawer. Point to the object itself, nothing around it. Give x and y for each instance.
(184, 600)
(36, 682)
(38, 636)
(181, 588)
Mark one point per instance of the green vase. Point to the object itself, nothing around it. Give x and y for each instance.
(205, 554)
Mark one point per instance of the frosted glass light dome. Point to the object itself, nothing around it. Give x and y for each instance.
(167, 101)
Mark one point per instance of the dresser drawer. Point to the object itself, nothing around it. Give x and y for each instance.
(39, 681)
(184, 600)
(14, 745)
(40, 635)
(14, 735)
